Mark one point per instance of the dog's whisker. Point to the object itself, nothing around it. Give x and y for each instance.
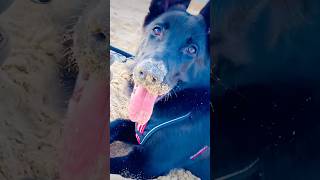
(175, 92)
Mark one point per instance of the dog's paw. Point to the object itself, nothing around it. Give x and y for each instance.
(113, 135)
(115, 128)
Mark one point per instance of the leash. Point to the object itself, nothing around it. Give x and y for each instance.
(141, 128)
(119, 51)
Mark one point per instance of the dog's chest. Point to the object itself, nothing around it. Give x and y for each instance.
(144, 132)
(172, 111)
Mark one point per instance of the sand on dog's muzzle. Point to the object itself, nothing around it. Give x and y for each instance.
(150, 74)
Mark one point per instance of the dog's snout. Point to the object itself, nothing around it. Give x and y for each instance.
(150, 75)
(150, 72)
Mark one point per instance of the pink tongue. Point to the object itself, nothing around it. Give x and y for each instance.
(141, 105)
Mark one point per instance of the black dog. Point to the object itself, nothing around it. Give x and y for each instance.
(170, 102)
(266, 90)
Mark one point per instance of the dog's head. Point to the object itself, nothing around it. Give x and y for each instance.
(173, 54)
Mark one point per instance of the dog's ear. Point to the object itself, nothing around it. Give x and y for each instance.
(205, 12)
(158, 7)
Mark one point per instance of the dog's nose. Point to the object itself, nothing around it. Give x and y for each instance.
(149, 75)
(150, 72)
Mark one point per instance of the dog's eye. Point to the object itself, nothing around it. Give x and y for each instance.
(157, 30)
(192, 50)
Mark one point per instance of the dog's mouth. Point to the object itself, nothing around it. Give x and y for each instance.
(141, 105)
(142, 102)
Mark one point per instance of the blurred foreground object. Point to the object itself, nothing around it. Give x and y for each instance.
(84, 152)
(4, 5)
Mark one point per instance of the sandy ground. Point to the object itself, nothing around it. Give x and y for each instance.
(125, 32)
(32, 106)
(126, 18)
(30, 120)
